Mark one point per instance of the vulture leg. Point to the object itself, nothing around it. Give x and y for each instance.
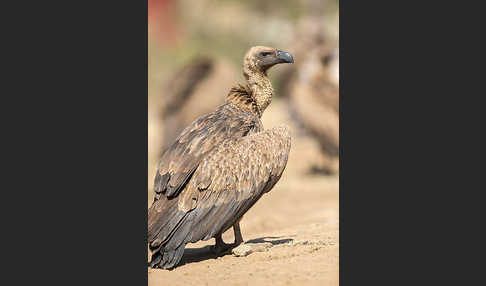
(220, 246)
(238, 237)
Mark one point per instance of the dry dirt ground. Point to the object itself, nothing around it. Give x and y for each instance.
(299, 218)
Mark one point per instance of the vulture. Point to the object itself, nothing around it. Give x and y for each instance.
(218, 167)
(312, 91)
(314, 99)
(195, 89)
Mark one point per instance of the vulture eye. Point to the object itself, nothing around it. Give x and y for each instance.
(264, 54)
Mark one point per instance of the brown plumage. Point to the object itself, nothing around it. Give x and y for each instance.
(195, 89)
(218, 167)
(313, 92)
(183, 83)
(315, 100)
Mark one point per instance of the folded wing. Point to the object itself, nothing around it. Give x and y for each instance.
(182, 158)
(226, 183)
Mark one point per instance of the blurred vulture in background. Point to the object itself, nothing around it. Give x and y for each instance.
(312, 90)
(219, 166)
(195, 89)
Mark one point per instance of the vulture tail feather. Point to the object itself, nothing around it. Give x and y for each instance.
(167, 259)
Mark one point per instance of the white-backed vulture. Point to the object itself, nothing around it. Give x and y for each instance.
(183, 83)
(195, 89)
(313, 92)
(218, 167)
(314, 99)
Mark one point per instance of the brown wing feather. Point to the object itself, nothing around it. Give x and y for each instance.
(226, 184)
(184, 155)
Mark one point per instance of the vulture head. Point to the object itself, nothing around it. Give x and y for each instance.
(260, 59)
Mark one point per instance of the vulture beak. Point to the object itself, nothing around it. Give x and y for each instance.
(284, 57)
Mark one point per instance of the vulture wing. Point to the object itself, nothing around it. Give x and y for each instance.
(225, 185)
(182, 158)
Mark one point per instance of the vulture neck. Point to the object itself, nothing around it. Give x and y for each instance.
(261, 88)
(254, 96)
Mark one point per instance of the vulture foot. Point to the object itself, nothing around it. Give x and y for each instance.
(221, 247)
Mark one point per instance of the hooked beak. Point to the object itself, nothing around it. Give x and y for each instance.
(284, 57)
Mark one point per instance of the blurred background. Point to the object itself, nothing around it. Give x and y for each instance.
(195, 56)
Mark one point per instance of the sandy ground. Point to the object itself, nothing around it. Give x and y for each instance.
(299, 217)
